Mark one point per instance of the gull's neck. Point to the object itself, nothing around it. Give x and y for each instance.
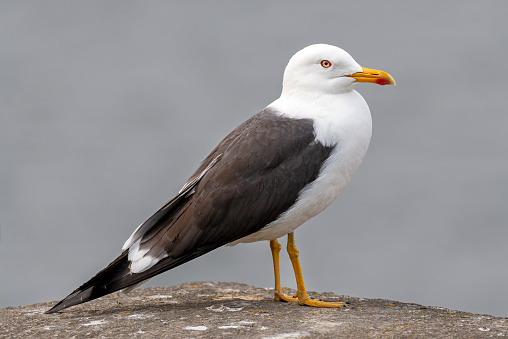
(336, 116)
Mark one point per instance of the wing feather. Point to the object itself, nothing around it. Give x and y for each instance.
(256, 173)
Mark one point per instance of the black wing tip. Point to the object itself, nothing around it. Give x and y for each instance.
(75, 298)
(112, 274)
(61, 305)
(58, 307)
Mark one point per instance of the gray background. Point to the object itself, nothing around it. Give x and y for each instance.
(108, 107)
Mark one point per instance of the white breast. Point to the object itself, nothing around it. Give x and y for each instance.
(341, 121)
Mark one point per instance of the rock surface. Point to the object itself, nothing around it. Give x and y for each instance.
(230, 310)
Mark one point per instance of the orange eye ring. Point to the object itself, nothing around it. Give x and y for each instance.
(326, 64)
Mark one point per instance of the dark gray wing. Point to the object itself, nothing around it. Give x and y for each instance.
(261, 167)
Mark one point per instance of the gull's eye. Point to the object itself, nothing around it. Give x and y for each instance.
(325, 63)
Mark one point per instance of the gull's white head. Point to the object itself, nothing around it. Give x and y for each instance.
(329, 69)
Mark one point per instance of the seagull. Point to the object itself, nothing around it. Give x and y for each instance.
(267, 177)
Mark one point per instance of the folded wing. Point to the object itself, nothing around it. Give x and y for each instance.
(253, 176)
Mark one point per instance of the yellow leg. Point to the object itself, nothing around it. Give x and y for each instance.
(303, 298)
(275, 246)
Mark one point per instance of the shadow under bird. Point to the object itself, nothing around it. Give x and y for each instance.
(271, 174)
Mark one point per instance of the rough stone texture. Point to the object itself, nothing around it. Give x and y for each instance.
(230, 310)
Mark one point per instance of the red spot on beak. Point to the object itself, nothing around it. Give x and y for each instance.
(382, 81)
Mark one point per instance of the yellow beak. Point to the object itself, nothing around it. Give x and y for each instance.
(373, 76)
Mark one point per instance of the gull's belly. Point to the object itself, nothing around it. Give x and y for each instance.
(316, 196)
